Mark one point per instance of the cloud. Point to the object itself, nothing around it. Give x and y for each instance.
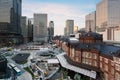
(58, 13)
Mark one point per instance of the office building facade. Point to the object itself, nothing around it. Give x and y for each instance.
(90, 21)
(107, 14)
(70, 27)
(10, 20)
(40, 32)
(24, 28)
(51, 30)
(65, 31)
(30, 29)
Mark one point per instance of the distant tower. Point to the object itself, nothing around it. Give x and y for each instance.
(70, 27)
(51, 30)
(40, 28)
(30, 29)
(90, 21)
(75, 29)
(24, 28)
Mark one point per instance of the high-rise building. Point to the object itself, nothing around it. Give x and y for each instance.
(40, 28)
(70, 27)
(90, 21)
(24, 28)
(51, 30)
(30, 29)
(108, 14)
(10, 17)
(75, 29)
(65, 31)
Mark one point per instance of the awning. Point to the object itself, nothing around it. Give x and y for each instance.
(66, 65)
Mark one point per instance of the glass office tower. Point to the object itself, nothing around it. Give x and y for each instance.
(10, 15)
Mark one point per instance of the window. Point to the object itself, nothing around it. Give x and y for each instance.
(94, 63)
(77, 59)
(101, 65)
(83, 60)
(106, 76)
(90, 62)
(94, 56)
(106, 67)
(76, 53)
(106, 60)
(112, 63)
(117, 76)
(86, 54)
(112, 71)
(83, 54)
(117, 67)
(100, 58)
(89, 55)
(86, 61)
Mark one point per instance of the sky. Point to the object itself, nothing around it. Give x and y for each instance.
(60, 10)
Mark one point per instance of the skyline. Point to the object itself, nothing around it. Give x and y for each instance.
(59, 11)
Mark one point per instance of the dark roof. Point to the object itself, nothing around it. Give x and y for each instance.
(19, 58)
(108, 50)
(92, 34)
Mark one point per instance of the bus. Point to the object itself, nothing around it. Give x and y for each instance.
(17, 71)
(12, 65)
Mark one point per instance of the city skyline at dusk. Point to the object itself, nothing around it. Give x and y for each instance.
(59, 11)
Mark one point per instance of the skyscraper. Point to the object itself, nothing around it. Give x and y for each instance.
(90, 21)
(24, 28)
(108, 14)
(40, 28)
(75, 29)
(70, 27)
(65, 31)
(10, 17)
(30, 29)
(51, 30)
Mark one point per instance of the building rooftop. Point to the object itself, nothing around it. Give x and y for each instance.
(108, 50)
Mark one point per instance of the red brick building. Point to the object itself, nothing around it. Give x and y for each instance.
(91, 53)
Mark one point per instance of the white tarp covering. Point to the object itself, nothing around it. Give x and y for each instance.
(52, 61)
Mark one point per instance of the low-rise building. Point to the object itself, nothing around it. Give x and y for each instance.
(95, 59)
